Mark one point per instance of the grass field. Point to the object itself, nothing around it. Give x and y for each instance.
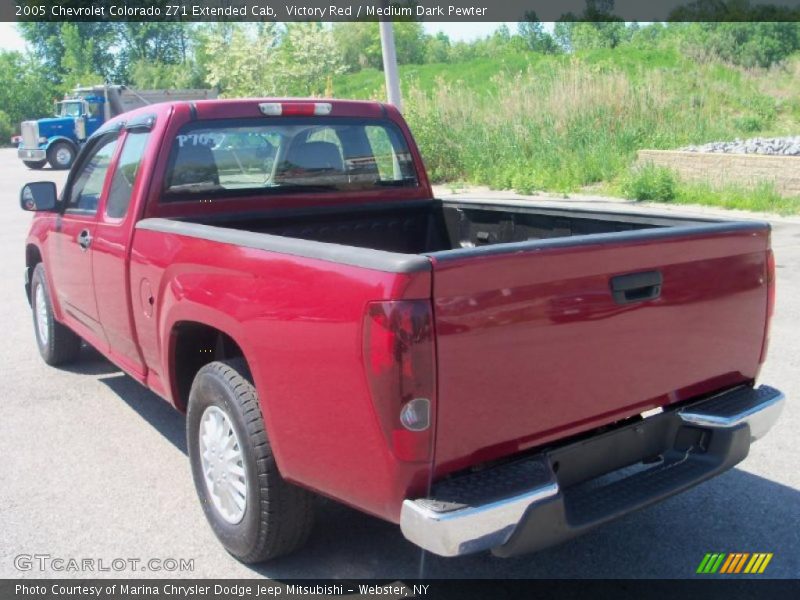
(559, 123)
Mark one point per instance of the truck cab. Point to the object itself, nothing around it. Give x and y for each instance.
(56, 139)
(87, 113)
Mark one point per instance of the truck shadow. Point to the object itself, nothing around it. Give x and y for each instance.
(158, 413)
(91, 362)
(736, 512)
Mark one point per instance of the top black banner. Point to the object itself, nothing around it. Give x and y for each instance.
(399, 10)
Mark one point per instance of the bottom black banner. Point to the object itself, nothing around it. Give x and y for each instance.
(220, 589)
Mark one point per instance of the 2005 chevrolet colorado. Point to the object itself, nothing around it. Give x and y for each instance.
(488, 375)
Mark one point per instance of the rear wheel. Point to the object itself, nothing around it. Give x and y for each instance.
(57, 344)
(61, 155)
(35, 164)
(255, 513)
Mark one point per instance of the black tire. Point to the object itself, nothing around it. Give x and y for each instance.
(35, 164)
(62, 345)
(61, 155)
(278, 516)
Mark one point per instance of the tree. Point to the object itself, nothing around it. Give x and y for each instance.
(409, 41)
(535, 37)
(7, 129)
(76, 62)
(596, 27)
(264, 60)
(242, 59)
(359, 44)
(751, 44)
(159, 43)
(25, 90)
(47, 41)
(499, 42)
(307, 59)
(437, 48)
(592, 35)
(158, 75)
(106, 50)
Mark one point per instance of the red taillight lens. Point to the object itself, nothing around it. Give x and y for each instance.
(399, 362)
(770, 302)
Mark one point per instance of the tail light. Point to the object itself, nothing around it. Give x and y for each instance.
(770, 302)
(295, 109)
(399, 362)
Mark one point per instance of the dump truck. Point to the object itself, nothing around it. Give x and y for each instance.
(56, 140)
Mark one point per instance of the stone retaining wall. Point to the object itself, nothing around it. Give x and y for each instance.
(719, 169)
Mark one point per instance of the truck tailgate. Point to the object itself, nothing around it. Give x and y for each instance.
(532, 344)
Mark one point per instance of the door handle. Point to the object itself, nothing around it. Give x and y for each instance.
(636, 287)
(84, 239)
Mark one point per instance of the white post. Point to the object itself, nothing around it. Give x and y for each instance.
(390, 64)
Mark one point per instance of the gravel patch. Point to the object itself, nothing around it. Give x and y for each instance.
(782, 146)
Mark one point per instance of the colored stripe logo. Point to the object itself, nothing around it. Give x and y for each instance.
(732, 563)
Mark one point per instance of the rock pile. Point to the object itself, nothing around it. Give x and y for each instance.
(785, 146)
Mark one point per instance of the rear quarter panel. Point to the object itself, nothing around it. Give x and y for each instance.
(299, 322)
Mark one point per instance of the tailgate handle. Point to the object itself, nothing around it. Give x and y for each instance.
(636, 287)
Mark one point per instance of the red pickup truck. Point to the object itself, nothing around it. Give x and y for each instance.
(491, 376)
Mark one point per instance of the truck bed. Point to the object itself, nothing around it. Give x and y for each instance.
(437, 226)
(549, 322)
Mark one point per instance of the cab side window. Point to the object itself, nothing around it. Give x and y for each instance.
(84, 195)
(94, 109)
(119, 196)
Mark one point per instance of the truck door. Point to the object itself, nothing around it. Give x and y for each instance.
(111, 260)
(71, 242)
(94, 114)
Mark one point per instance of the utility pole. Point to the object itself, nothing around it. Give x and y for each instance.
(390, 64)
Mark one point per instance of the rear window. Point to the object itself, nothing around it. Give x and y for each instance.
(284, 156)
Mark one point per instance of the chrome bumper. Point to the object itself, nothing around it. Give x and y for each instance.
(758, 410)
(524, 506)
(448, 529)
(31, 154)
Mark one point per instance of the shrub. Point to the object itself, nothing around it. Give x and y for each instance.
(748, 123)
(649, 182)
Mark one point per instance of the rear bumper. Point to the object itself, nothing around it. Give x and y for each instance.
(545, 499)
(31, 154)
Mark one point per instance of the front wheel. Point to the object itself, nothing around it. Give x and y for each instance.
(57, 344)
(61, 155)
(255, 513)
(35, 164)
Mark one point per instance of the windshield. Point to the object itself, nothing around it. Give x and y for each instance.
(70, 109)
(287, 155)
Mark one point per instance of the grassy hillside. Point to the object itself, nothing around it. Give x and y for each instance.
(532, 122)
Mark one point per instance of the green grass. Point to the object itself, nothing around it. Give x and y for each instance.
(762, 198)
(660, 184)
(559, 123)
(478, 75)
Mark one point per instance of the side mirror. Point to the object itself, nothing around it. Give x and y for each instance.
(38, 196)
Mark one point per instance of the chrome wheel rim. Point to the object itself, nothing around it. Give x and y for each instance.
(63, 156)
(223, 465)
(41, 315)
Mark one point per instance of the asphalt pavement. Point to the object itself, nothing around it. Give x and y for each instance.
(93, 466)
